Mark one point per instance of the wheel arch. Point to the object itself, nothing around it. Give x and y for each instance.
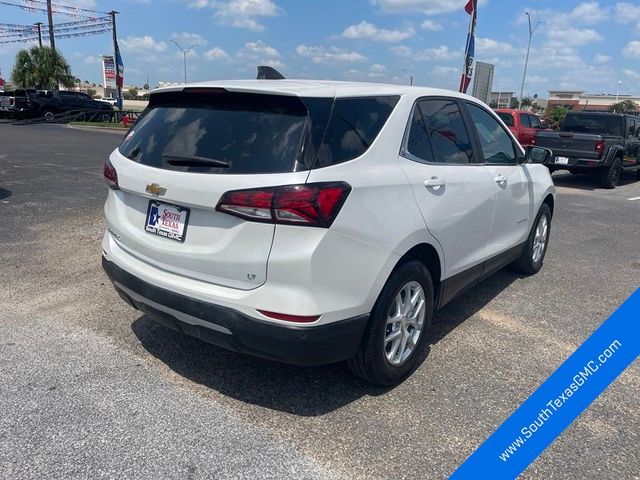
(551, 202)
(428, 255)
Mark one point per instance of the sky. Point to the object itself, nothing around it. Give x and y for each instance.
(590, 46)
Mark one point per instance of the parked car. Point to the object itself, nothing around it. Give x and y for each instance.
(605, 144)
(17, 103)
(53, 102)
(312, 222)
(523, 124)
(110, 100)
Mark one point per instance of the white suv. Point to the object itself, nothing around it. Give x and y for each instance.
(313, 222)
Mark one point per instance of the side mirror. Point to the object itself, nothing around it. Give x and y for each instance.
(537, 154)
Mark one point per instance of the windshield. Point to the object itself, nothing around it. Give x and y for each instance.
(596, 124)
(507, 118)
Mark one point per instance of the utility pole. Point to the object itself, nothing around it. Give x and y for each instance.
(113, 14)
(39, 26)
(526, 61)
(184, 53)
(52, 38)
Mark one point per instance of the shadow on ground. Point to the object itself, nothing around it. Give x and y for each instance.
(299, 391)
(588, 182)
(4, 193)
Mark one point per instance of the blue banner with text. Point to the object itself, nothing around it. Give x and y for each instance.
(560, 399)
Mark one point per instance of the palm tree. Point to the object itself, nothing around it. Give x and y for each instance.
(41, 68)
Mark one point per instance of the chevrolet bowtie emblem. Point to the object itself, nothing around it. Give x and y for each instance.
(155, 189)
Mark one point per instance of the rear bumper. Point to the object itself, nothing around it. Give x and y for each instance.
(233, 330)
(577, 163)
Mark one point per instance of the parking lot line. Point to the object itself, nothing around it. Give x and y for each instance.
(634, 198)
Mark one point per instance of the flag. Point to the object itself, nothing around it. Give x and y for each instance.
(119, 67)
(469, 8)
(467, 72)
(468, 63)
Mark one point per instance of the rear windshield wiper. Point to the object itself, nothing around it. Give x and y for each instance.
(194, 161)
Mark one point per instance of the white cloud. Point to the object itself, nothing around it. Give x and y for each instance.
(377, 70)
(187, 39)
(366, 30)
(632, 49)
(430, 7)
(600, 58)
(430, 25)
(330, 56)
(627, 13)
(575, 37)
(437, 53)
(216, 53)
(444, 71)
(145, 44)
(633, 74)
(241, 13)
(489, 46)
(257, 49)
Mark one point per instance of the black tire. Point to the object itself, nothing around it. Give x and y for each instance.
(610, 176)
(370, 362)
(48, 115)
(526, 264)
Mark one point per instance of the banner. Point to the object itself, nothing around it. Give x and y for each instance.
(109, 71)
(119, 68)
(560, 399)
(467, 71)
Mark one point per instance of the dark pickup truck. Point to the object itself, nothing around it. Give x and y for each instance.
(606, 144)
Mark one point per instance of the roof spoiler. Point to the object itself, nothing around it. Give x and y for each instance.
(269, 73)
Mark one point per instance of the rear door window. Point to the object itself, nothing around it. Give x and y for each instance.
(507, 118)
(524, 120)
(535, 122)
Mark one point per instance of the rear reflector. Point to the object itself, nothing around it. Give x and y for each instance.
(290, 318)
(313, 204)
(600, 147)
(110, 175)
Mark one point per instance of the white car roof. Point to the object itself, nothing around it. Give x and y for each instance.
(317, 88)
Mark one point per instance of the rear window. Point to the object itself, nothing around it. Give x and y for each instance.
(507, 118)
(596, 124)
(216, 131)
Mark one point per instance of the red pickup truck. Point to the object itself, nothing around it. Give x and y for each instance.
(523, 124)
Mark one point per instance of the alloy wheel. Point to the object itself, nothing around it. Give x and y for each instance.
(405, 323)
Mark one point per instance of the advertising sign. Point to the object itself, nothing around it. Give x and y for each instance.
(109, 71)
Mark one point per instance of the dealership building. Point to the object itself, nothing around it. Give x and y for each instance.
(579, 100)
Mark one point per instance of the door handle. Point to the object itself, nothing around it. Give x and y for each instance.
(501, 179)
(434, 182)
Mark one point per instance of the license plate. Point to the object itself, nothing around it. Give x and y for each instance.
(562, 160)
(168, 221)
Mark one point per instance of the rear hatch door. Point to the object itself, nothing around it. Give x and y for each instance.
(183, 154)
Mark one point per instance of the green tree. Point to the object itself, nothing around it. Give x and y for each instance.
(526, 103)
(131, 94)
(41, 68)
(91, 92)
(145, 86)
(555, 115)
(625, 106)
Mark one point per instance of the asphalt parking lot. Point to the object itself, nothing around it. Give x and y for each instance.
(90, 388)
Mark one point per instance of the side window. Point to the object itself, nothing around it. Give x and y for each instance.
(497, 146)
(524, 120)
(418, 141)
(446, 131)
(354, 125)
(632, 128)
(535, 122)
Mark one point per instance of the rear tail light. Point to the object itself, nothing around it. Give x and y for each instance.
(600, 147)
(110, 175)
(314, 204)
(290, 318)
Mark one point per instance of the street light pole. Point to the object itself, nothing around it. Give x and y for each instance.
(526, 61)
(618, 92)
(184, 53)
